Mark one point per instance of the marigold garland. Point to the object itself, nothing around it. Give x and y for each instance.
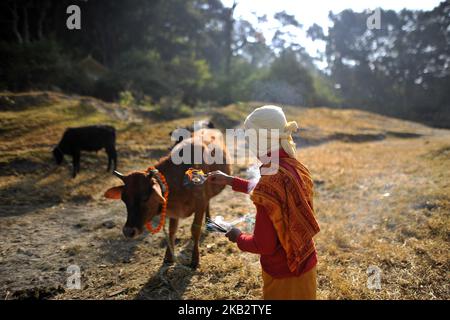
(162, 219)
(195, 176)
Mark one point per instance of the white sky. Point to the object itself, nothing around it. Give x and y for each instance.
(308, 12)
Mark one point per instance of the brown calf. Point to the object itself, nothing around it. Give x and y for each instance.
(143, 196)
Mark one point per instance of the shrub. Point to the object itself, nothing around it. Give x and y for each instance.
(126, 99)
(35, 65)
(171, 108)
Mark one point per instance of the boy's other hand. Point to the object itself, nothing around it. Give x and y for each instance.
(233, 234)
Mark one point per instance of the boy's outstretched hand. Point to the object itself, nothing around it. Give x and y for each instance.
(233, 234)
(219, 177)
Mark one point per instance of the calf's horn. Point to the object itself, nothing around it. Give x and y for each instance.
(118, 175)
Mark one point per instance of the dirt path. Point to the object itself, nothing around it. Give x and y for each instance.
(39, 246)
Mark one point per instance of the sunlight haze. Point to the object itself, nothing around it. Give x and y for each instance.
(310, 12)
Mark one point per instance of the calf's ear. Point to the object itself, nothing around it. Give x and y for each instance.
(114, 193)
(158, 193)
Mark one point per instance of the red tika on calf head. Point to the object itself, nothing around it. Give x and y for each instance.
(143, 196)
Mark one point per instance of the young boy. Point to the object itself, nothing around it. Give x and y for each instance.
(285, 222)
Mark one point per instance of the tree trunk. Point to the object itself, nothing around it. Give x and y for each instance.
(15, 23)
(42, 15)
(26, 27)
(229, 24)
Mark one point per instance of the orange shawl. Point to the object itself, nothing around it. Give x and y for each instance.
(289, 203)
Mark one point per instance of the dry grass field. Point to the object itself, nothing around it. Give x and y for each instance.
(382, 199)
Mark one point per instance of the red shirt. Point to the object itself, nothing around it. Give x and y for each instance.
(264, 240)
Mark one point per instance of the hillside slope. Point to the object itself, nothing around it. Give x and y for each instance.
(382, 199)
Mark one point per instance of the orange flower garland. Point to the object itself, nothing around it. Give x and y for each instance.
(162, 219)
(195, 176)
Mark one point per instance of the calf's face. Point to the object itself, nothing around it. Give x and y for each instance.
(143, 199)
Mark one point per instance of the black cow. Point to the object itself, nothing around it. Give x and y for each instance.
(90, 138)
